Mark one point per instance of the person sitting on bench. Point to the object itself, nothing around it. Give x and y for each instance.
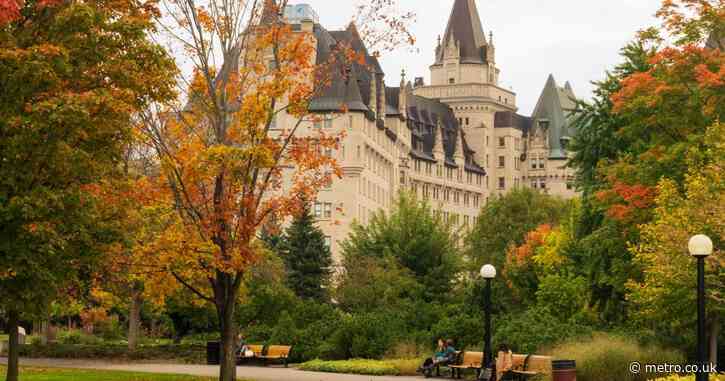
(445, 354)
(504, 363)
(244, 351)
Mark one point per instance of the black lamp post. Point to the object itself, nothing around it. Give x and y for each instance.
(701, 247)
(488, 272)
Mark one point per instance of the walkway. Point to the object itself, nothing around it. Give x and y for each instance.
(253, 373)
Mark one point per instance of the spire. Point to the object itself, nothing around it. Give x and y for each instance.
(464, 27)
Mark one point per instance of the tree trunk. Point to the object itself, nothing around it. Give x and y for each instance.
(134, 319)
(225, 296)
(714, 333)
(44, 332)
(13, 355)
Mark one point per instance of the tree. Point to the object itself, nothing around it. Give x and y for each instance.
(416, 237)
(664, 299)
(307, 257)
(224, 169)
(646, 115)
(505, 221)
(71, 74)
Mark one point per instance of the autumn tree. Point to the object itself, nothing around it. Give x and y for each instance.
(645, 116)
(71, 75)
(223, 167)
(665, 297)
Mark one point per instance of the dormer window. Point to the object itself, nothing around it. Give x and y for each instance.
(544, 124)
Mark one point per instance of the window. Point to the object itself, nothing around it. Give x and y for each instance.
(358, 152)
(328, 210)
(327, 122)
(469, 177)
(502, 161)
(460, 175)
(328, 242)
(569, 185)
(451, 80)
(457, 197)
(466, 220)
(534, 183)
(467, 122)
(428, 168)
(501, 183)
(542, 183)
(402, 177)
(328, 152)
(502, 142)
(542, 164)
(318, 209)
(466, 199)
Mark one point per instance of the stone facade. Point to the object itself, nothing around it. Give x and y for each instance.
(455, 142)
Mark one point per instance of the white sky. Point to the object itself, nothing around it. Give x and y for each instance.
(576, 40)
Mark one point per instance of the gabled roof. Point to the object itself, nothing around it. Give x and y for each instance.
(556, 105)
(429, 120)
(465, 28)
(510, 119)
(351, 82)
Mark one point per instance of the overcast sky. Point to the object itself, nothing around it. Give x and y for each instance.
(576, 40)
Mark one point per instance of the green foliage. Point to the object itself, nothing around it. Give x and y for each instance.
(72, 74)
(504, 222)
(562, 295)
(535, 328)
(416, 237)
(607, 358)
(307, 257)
(367, 335)
(365, 367)
(78, 337)
(193, 354)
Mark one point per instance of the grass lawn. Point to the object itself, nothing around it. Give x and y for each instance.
(47, 374)
(3, 337)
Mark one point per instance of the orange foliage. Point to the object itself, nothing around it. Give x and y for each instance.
(624, 200)
(534, 239)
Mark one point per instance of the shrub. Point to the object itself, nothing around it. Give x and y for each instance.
(535, 328)
(366, 335)
(193, 354)
(76, 337)
(607, 358)
(690, 378)
(365, 367)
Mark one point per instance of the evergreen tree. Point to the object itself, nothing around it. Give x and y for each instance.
(307, 257)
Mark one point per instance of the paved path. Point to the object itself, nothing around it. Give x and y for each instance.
(253, 373)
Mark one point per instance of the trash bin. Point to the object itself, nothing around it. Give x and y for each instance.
(563, 370)
(213, 351)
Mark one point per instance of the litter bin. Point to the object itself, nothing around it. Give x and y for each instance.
(213, 351)
(563, 370)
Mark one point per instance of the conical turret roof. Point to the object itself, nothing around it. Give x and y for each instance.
(464, 27)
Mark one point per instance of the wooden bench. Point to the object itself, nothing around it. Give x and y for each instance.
(276, 353)
(525, 366)
(256, 350)
(469, 360)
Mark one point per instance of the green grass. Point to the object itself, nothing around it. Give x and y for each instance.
(3, 337)
(50, 374)
(365, 367)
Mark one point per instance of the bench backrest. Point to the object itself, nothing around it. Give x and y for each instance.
(519, 361)
(472, 358)
(541, 364)
(256, 349)
(279, 350)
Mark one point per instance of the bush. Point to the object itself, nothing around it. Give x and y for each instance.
(607, 358)
(535, 328)
(690, 378)
(366, 335)
(365, 367)
(192, 354)
(77, 337)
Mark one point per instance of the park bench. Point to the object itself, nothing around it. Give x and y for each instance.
(276, 353)
(257, 351)
(469, 360)
(527, 366)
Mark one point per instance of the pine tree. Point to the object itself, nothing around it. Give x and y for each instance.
(307, 257)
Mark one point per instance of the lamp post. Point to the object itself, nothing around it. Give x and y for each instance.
(488, 272)
(700, 247)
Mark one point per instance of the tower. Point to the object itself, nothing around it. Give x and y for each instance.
(464, 75)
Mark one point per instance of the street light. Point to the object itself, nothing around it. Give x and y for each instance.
(488, 272)
(701, 247)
